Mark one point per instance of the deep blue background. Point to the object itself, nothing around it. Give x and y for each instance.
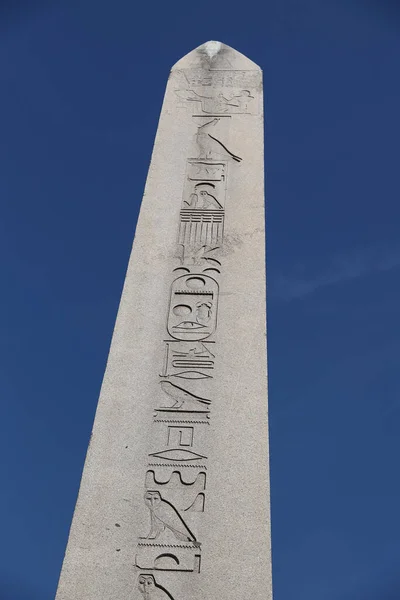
(81, 86)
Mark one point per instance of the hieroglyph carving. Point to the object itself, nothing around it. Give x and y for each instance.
(164, 516)
(183, 399)
(201, 224)
(221, 79)
(221, 103)
(206, 171)
(157, 557)
(203, 197)
(151, 590)
(186, 496)
(188, 361)
(201, 229)
(210, 147)
(193, 307)
(182, 409)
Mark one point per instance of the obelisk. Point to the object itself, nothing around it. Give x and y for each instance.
(174, 498)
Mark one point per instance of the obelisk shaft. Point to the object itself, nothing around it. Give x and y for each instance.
(174, 498)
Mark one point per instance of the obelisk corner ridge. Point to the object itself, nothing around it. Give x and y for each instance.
(215, 56)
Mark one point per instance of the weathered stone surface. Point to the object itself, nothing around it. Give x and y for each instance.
(174, 499)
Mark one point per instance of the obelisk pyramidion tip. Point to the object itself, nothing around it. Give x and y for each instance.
(215, 55)
(212, 48)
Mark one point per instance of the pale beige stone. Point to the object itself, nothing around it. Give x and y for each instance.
(176, 479)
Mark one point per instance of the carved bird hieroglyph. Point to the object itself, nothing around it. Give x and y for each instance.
(163, 515)
(183, 399)
(209, 146)
(151, 590)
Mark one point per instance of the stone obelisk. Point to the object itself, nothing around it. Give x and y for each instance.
(174, 498)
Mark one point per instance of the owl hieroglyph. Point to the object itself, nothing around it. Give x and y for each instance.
(151, 590)
(163, 515)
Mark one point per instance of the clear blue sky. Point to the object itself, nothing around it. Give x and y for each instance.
(82, 83)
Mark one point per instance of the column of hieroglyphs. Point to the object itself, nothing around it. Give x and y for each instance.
(179, 456)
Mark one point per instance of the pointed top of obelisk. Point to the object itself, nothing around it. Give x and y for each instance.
(216, 56)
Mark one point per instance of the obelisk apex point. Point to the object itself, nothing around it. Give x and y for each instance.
(215, 56)
(212, 48)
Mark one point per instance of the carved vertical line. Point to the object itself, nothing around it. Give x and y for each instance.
(208, 237)
(181, 236)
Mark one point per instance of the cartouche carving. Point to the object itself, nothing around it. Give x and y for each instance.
(193, 307)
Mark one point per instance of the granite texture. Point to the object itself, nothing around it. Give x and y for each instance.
(174, 498)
